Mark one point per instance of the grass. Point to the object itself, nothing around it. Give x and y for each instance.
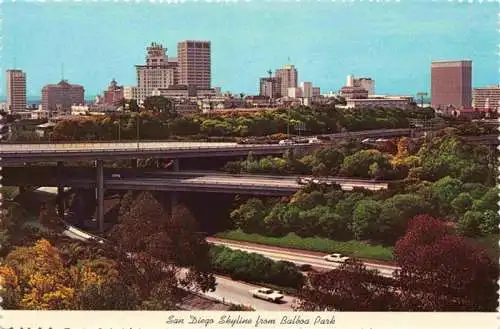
(352, 248)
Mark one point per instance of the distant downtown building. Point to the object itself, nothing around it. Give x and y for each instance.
(16, 90)
(194, 62)
(158, 72)
(487, 98)
(451, 84)
(114, 94)
(366, 83)
(61, 96)
(287, 78)
(270, 87)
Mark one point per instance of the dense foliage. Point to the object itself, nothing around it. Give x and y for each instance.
(443, 180)
(439, 271)
(142, 268)
(159, 122)
(251, 267)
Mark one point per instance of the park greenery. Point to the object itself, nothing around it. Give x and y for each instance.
(154, 124)
(421, 159)
(252, 267)
(438, 271)
(131, 271)
(443, 178)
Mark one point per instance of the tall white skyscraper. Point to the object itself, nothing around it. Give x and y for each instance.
(16, 90)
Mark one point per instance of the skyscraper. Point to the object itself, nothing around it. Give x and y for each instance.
(451, 84)
(62, 96)
(270, 87)
(157, 73)
(194, 63)
(287, 77)
(16, 90)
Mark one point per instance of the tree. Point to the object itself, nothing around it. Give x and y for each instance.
(159, 104)
(443, 272)
(365, 219)
(444, 192)
(43, 280)
(351, 287)
(358, 164)
(462, 203)
(162, 244)
(397, 212)
(249, 216)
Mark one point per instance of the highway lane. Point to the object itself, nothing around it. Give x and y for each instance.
(296, 257)
(237, 292)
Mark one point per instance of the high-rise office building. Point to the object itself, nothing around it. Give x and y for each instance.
(16, 90)
(307, 89)
(366, 83)
(451, 84)
(487, 98)
(287, 77)
(158, 72)
(194, 63)
(270, 87)
(114, 94)
(61, 96)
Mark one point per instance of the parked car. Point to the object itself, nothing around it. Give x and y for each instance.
(267, 294)
(336, 258)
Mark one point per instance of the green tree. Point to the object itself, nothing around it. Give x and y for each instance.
(159, 104)
(462, 203)
(250, 216)
(365, 219)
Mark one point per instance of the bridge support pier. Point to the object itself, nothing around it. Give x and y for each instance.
(60, 190)
(100, 194)
(173, 195)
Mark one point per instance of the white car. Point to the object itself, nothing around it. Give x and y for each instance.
(116, 176)
(267, 294)
(337, 258)
(314, 140)
(286, 142)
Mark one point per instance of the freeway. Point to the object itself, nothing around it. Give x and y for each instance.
(295, 256)
(180, 182)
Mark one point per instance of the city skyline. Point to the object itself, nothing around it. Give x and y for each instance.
(362, 39)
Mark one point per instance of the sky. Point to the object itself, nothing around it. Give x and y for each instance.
(391, 42)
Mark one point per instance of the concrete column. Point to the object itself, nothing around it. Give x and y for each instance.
(173, 195)
(100, 194)
(60, 190)
(175, 165)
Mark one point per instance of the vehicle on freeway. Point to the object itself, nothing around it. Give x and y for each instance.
(336, 258)
(304, 180)
(267, 294)
(116, 176)
(286, 142)
(314, 140)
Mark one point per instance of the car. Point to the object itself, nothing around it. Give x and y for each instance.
(336, 258)
(267, 294)
(304, 180)
(286, 142)
(314, 140)
(116, 176)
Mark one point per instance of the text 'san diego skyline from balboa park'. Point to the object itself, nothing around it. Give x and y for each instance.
(394, 43)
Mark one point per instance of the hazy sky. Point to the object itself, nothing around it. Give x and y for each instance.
(394, 43)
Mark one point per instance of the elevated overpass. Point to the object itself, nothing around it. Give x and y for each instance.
(160, 180)
(56, 152)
